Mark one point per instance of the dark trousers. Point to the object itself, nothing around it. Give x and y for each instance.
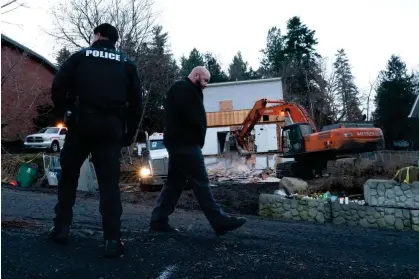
(187, 167)
(105, 156)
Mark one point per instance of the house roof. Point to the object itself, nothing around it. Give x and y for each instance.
(252, 81)
(42, 60)
(414, 113)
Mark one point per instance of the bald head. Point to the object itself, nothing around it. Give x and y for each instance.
(200, 76)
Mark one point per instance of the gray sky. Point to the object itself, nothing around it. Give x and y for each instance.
(370, 30)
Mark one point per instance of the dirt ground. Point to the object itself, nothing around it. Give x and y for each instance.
(234, 198)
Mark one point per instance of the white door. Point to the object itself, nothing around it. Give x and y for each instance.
(266, 137)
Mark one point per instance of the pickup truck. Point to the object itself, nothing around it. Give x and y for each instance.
(154, 161)
(51, 138)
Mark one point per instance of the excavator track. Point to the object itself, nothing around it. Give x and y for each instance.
(296, 169)
(284, 169)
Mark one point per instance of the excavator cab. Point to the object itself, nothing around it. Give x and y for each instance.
(293, 138)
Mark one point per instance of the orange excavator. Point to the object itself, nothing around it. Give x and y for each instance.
(311, 149)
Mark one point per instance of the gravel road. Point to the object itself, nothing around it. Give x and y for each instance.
(261, 249)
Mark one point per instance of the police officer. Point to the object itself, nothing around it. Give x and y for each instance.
(96, 84)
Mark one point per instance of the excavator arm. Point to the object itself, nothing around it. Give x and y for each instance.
(293, 111)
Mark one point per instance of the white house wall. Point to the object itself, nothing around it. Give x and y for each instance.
(266, 137)
(211, 140)
(243, 94)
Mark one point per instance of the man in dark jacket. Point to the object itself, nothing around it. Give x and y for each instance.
(184, 137)
(96, 84)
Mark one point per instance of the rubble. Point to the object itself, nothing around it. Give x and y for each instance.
(341, 198)
(239, 172)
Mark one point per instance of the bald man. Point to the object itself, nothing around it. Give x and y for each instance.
(184, 137)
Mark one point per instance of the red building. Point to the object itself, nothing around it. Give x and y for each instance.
(25, 84)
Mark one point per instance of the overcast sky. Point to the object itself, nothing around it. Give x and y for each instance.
(370, 30)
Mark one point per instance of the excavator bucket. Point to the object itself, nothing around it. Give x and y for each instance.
(242, 151)
(235, 147)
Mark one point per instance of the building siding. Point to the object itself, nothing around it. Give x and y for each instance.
(234, 118)
(242, 94)
(26, 84)
(226, 118)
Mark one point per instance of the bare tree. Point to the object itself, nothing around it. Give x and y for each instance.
(75, 20)
(371, 89)
(11, 5)
(22, 92)
(7, 6)
(330, 91)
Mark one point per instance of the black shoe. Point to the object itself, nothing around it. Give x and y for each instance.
(59, 234)
(158, 226)
(232, 224)
(113, 249)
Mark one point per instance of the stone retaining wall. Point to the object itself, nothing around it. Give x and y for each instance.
(308, 210)
(389, 193)
(373, 217)
(320, 211)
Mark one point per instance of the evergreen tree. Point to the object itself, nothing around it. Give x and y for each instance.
(214, 67)
(208, 60)
(252, 74)
(394, 100)
(238, 68)
(346, 91)
(158, 71)
(273, 54)
(194, 59)
(293, 58)
(62, 56)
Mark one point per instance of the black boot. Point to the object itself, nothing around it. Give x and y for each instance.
(231, 224)
(159, 226)
(114, 249)
(59, 234)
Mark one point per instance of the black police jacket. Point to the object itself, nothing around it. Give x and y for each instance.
(102, 79)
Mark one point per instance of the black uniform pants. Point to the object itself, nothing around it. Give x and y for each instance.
(105, 156)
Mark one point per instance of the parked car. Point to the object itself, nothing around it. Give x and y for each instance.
(50, 138)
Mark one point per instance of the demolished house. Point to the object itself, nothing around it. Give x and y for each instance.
(227, 104)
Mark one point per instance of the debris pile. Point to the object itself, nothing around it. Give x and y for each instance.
(336, 197)
(240, 173)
